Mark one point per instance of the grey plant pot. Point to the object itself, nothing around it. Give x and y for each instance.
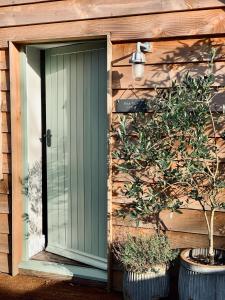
(147, 286)
(201, 282)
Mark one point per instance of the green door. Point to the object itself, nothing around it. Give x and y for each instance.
(76, 120)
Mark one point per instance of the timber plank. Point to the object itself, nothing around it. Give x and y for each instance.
(177, 24)
(70, 10)
(5, 204)
(161, 76)
(5, 101)
(5, 184)
(4, 223)
(175, 51)
(190, 221)
(6, 164)
(5, 80)
(4, 59)
(177, 239)
(5, 264)
(19, 2)
(6, 143)
(16, 159)
(6, 126)
(4, 243)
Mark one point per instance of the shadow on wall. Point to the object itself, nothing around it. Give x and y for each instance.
(172, 65)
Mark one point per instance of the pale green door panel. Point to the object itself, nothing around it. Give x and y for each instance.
(76, 106)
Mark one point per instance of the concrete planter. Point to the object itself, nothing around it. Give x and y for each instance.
(201, 282)
(147, 286)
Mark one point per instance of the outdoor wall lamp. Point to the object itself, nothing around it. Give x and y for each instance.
(138, 60)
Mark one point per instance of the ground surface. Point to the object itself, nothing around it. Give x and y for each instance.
(33, 288)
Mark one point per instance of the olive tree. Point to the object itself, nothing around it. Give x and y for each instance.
(171, 154)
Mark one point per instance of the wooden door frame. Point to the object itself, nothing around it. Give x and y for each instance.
(17, 137)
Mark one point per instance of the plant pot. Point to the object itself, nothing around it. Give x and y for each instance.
(198, 281)
(146, 286)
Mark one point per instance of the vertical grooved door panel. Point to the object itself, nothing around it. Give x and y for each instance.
(76, 105)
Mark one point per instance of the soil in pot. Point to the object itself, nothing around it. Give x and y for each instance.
(200, 256)
(197, 279)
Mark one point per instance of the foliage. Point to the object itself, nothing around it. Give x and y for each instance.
(141, 254)
(172, 152)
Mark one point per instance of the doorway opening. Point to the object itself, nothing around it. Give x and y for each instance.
(65, 150)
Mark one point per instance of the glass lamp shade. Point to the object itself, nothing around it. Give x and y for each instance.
(138, 71)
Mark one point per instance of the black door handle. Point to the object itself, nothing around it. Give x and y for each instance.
(49, 138)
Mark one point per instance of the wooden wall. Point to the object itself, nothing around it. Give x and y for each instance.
(5, 184)
(180, 31)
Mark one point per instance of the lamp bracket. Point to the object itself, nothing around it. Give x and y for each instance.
(145, 47)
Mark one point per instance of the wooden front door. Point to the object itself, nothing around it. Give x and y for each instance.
(76, 122)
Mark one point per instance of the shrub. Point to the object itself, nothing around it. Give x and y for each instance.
(142, 254)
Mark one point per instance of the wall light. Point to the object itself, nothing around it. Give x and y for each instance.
(138, 60)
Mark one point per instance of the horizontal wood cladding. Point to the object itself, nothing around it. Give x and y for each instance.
(5, 204)
(130, 93)
(5, 244)
(4, 59)
(5, 101)
(177, 239)
(6, 165)
(5, 263)
(5, 225)
(188, 221)
(19, 2)
(172, 51)
(70, 10)
(161, 76)
(176, 24)
(5, 184)
(5, 80)
(6, 127)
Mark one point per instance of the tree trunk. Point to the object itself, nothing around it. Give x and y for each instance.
(211, 239)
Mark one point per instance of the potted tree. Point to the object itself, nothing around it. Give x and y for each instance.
(144, 155)
(193, 116)
(175, 151)
(146, 261)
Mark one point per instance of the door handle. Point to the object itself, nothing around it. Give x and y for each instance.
(49, 138)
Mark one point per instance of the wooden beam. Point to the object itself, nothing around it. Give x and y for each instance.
(71, 10)
(19, 2)
(161, 76)
(5, 246)
(176, 51)
(5, 101)
(190, 221)
(6, 122)
(5, 260)
(205, 22)
(177, 239)
(16, 138)
(4, 223)
(5, 205)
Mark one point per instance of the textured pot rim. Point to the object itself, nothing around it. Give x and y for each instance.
(197, 267)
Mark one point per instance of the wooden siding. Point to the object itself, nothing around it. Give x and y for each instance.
(70, 10)
(181, 33)
(5, 188)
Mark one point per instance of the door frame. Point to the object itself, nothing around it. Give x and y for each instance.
(18, 136)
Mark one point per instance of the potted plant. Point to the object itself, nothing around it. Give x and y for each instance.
(171, 152)
(194, 118)
(146, 261)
